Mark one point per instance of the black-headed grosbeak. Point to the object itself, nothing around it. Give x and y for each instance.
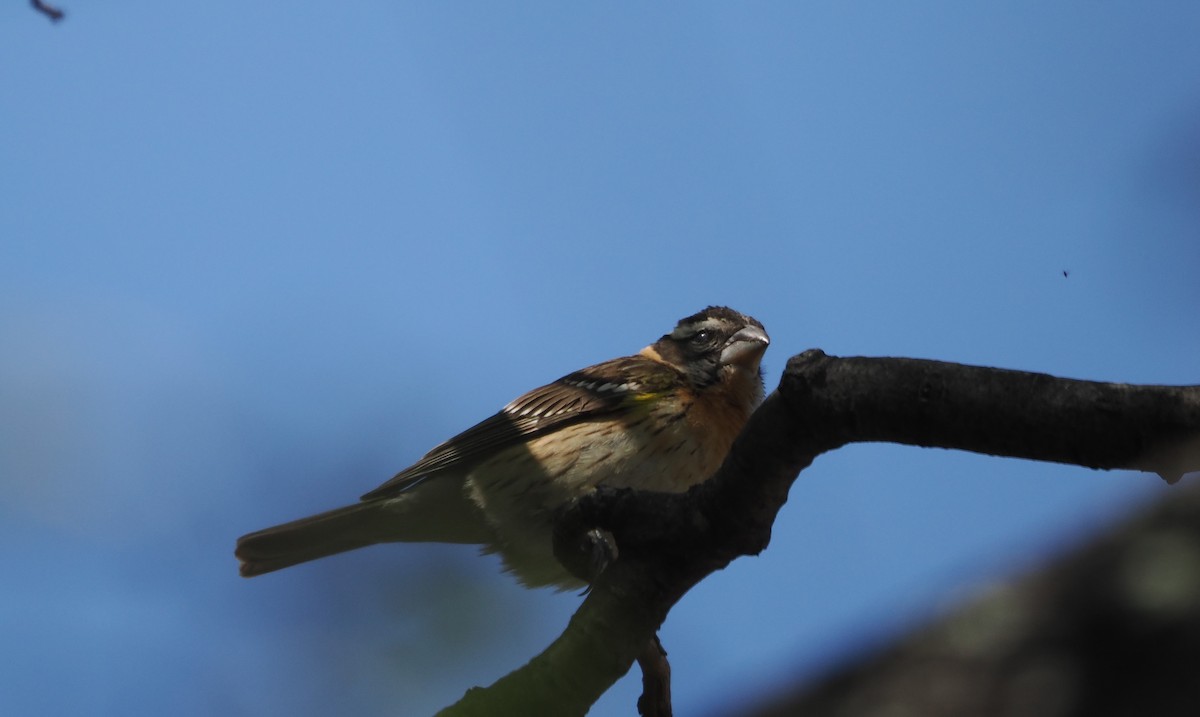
(662, 420)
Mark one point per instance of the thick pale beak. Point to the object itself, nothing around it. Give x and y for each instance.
(746, 347)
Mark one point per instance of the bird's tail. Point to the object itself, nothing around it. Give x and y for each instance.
(328, 533)
(439, 511)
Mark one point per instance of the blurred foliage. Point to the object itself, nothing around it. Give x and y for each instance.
(1112, 629)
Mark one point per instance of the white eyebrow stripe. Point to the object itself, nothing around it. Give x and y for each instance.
(687, 330)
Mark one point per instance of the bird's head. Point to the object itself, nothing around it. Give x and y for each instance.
(715, 347)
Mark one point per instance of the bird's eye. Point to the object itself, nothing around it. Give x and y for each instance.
(703, 337)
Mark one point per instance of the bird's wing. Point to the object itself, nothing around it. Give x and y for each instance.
(591, 392)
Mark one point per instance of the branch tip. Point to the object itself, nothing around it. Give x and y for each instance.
(48, 10)
(1170, 478)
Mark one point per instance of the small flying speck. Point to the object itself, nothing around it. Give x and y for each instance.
(1066, 273)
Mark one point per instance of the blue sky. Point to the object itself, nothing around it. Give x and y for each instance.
(255, 258)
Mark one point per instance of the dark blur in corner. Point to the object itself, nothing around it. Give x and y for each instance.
(1112, 629)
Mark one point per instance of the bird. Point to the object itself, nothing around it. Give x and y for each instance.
(662, 419)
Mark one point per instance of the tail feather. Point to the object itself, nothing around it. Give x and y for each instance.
(439, 512)
(317, 536)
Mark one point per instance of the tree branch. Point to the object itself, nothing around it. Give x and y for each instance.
(48, 10)
(998, 412)
(669, 542)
